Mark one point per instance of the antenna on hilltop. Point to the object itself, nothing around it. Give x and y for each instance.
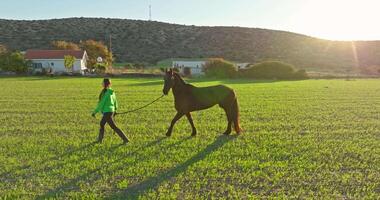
(150, 12)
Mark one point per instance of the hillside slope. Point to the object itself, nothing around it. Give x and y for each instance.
(146, 41)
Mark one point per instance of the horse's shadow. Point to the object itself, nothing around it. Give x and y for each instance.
(134, 191)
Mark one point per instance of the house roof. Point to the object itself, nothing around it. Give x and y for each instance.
(53, 54)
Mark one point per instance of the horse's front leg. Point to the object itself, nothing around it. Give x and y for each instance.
(175, 119)
(194, 130)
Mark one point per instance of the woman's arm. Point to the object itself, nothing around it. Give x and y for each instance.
(115, 101)
(101, 103)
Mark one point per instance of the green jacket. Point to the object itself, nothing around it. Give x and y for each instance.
(107, 103)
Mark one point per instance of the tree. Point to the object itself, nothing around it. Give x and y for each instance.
(69, 63)
(94, 50)
(13, 62)
(3, 49)
(63, 45)
(220, 68)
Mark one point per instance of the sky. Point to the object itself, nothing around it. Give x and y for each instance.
(327, 19)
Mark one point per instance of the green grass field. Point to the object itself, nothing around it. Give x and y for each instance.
(303, 139)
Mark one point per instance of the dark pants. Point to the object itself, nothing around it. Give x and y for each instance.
(107, 118)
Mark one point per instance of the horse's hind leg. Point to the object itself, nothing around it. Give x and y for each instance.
(194, 130)
(226, 105)
(229, 124)
(229, 120)
(175, 119)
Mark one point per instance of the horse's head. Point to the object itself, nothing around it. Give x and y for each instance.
(168, 81)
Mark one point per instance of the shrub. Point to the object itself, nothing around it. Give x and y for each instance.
(176, 69)
(301, 74)
(63, 45)
(128, 66)
(13, 62)
(139, 65)
(273, 70)
(3, 49)
(100, 68)
(219, 68)
(69, 63)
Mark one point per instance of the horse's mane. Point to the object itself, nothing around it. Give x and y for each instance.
(179, 78)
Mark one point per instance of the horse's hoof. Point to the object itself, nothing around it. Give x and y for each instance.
(227, 133)
(194, 133)
(168, 134)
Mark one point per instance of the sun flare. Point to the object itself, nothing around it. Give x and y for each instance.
(339, 19)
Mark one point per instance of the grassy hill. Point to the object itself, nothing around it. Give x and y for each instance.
(147, 41)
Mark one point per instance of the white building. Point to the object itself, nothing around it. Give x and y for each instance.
(197, 67)
(54, 60)
(194, 67)
(242, 65)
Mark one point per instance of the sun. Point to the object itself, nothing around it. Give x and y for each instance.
(339, 19)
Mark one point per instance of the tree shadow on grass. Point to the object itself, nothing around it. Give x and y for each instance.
(234, 81)
(147, 83)
(90, 176)
(47, 78)
(208, 80)
(135, 191)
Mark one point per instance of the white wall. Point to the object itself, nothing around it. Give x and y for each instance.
(242, 65)
(195, 71)
(58, 64)
(83, 64)
(196, 67)
(192, 64)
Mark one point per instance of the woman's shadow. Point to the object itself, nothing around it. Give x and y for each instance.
(134, 191)
(89, 175)
(56, 160)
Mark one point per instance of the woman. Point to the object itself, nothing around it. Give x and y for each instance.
(107, 106)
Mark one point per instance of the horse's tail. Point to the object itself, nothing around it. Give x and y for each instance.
(235, 116)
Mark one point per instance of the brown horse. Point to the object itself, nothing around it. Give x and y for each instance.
(188, 98)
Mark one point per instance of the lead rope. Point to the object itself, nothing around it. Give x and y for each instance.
(137, 109)
(142, 107)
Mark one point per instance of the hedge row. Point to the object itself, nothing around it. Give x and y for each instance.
(219, 68)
